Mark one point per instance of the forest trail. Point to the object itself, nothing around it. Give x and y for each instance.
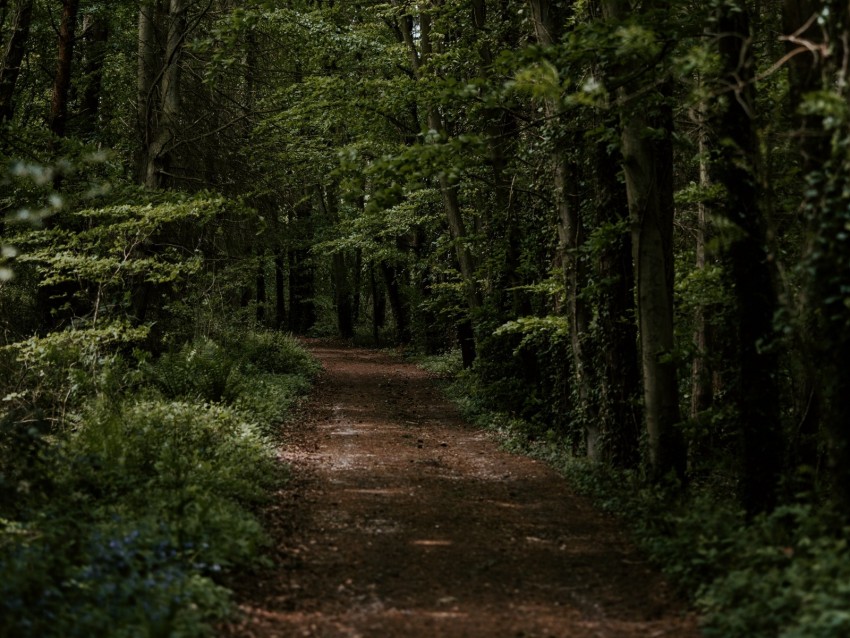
(402, 520)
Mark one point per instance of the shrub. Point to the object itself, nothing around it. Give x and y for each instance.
(788, 576)
(115, 579)
(200, 370)
(178, 448)
(268, 398)
(270, 351)
(117, 523)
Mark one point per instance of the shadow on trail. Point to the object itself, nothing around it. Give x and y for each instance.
(414, 524)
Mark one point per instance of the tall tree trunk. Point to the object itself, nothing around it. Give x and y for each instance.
(64, 61)
(619, 411)
(547, 25)
(824, 330)
(302, 272)
(261, 288)
(806, 74)
(398, 302)
(737, 169)
(145, 85)
(648, 170)
(448, 190)
(340, 268)
(13, 58)
(343, 300)
(378, 307)
(95, 36)
(158, 171)
(279, 288)
(701, 376)
(499, 217)
(358, 284)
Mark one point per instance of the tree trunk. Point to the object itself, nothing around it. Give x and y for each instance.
(342, 295)
(701, 374)
(340, 268)
(145, 85)
(13, 57)
(302, 273)
(737, 169)
(824, 331)
(261, 289)
(398, 303)
(95, 37)
(378, 307)
(648, 170)
(358, 284)
(158, 174)
(448, 191)
(619, 412)
(279, 285)
(806, 74)
(566, 179)
(64, 61)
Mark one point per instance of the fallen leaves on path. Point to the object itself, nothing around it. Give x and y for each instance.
(403, 521)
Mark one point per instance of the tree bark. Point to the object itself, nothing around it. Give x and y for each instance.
(648, 170)
(261, 289)
(145, 85)
(378, 307)
(448, 190)
(547, 20)
(340, 268)
(302, 273)
(157, 174)
(620, 381)
(823, 329)
(702, 395)
(807, 73)
(95, 37)
(13, 58)
(737, 169)
(398, 303)
(64, 61)
(279, 286)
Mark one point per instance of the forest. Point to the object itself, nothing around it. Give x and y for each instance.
(620, 228)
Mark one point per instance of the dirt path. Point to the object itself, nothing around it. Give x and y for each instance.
(404, 521)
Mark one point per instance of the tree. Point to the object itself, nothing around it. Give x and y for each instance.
(64, 60)
(13, 57)
(736, 167)
(646, 131)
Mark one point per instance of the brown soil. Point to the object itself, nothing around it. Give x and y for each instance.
(402, 520)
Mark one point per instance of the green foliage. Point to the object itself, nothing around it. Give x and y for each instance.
(181, 453)
(261, 374)
(47, 378)
(269, 351)
(201, 370)
(122, 523)
(785, 575)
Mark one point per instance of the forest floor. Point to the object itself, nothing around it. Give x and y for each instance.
(402, 520)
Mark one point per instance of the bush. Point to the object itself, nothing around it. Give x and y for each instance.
(115, 580)
(268, 398)
(118, 522)
(223, 373)
(148, 502)
(270, 351)
(201, 370)
(788, 575)
(181, 449)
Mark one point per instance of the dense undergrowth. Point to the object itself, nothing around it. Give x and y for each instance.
(785, 574)
(129, 484)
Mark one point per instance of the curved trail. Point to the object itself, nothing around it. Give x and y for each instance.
(404, 521)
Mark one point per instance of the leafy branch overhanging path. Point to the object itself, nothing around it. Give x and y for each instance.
(404, 521)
